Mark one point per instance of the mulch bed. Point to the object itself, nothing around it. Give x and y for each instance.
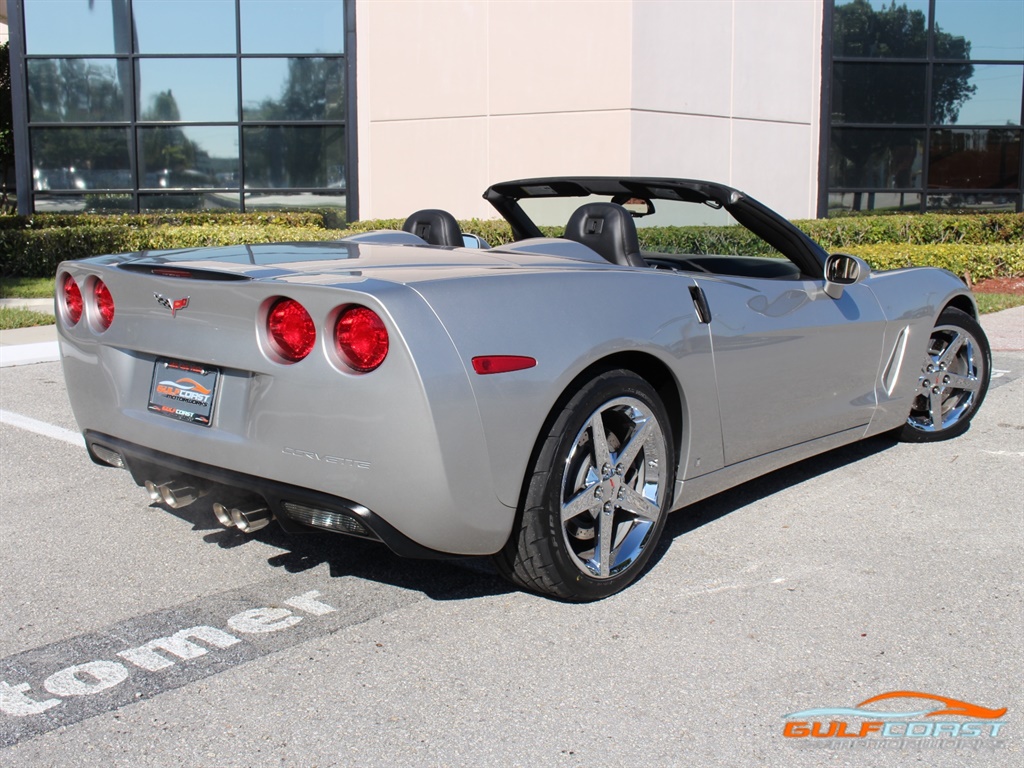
(1014, 285)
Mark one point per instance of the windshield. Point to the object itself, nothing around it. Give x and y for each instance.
(674, 227)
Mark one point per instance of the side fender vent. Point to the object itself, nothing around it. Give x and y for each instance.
(891, 374)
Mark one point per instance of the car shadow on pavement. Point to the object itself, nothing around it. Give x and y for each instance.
(443, 579)
(714, 507)
(470, 577)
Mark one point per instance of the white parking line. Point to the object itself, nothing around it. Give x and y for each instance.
(41, 428)
(1004, 453)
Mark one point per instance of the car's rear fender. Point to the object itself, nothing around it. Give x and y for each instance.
(399, 440)
(573, 322)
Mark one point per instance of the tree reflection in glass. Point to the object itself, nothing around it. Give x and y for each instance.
(293, 89)
(75, 90)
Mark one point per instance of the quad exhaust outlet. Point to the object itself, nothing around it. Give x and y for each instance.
(176, 493)
(247, 518)
(248, 514)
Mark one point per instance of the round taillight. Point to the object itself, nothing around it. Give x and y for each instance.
(72, 299)
(104, 305)
(361, 338)
(291, 330)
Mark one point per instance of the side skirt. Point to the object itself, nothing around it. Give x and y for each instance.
(697, 488)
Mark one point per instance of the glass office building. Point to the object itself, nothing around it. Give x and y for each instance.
(135, 105)
(819, 107)
(924, 105)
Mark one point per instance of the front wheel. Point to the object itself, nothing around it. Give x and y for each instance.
(953, 380)
(599, 490)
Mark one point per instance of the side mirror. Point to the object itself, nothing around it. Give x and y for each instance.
(843, 269)
(473, 241)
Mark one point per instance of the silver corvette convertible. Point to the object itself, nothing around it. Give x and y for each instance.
(547, 402)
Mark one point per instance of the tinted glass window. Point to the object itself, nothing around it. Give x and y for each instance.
(958, 75)
(293, 89)
(977, 94)
(876, 157)
(220, 201)
(190, 157)
(881, 202)
(76, 27)
(185, 26)
(290, 157)
(277, 201)
(991, 29)
(80, 158)
(880, 29)
(966, 201)
(93, 203)
(974, 159)
(78, 90)
(878, 93)
(168, 79)
(190, 90)
(300, 26)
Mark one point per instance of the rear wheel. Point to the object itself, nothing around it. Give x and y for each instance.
(599, 490)
(953, 380)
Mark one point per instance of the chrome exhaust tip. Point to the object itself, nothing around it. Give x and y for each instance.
(153, 489)
(250, 519)
(180, 493)
(223, 514)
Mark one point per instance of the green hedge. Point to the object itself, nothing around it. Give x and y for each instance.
(984, 245)
(165, 218)
(926, 229)
(36, 253)
(979, 261)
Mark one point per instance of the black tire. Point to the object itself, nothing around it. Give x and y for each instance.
(615, 485)
(953, 381)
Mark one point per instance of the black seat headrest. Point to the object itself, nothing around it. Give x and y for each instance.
(608, 229)
(435, 226)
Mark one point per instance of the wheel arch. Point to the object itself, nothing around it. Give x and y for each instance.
(964, 303)
(648, 367)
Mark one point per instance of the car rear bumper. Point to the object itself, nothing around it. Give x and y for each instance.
(296, 509)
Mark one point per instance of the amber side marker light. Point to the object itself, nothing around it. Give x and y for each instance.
(291, 330)
(73, 304)
(487, 364)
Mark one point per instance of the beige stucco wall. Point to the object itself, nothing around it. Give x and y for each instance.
(456, 94)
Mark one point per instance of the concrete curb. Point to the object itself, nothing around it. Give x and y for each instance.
(28, 354)
(25, 346)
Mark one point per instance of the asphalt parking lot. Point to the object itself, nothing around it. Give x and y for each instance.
(135, 636)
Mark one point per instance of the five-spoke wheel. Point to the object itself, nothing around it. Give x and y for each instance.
(953, 380)
(599, 492)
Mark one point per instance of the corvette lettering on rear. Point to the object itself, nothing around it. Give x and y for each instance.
(353, 463)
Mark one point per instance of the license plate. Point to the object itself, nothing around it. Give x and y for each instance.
(183, 391)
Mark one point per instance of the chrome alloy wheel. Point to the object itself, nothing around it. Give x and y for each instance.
(950, 382)
(613, 487)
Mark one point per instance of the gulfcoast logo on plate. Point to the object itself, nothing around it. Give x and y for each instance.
(185, 389)
(917, 716)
